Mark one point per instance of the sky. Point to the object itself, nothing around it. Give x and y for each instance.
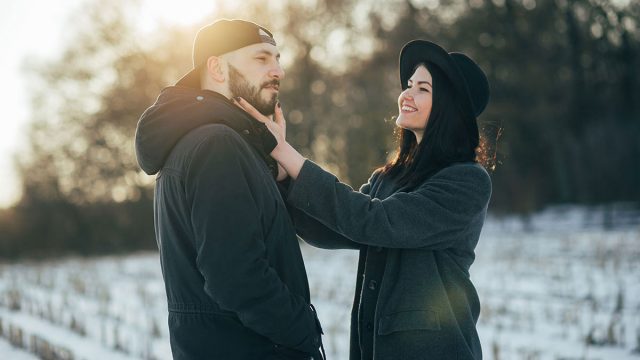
(35, 28)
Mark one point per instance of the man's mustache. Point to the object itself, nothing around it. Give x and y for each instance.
(273, 83)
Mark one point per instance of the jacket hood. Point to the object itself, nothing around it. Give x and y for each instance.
(178, 110)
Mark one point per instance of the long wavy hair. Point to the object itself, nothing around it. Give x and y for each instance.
(451, 136)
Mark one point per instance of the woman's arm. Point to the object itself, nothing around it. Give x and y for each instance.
(435, 216)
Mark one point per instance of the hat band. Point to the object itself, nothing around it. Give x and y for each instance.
(268, 39)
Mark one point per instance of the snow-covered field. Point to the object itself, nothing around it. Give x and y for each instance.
(558, 286)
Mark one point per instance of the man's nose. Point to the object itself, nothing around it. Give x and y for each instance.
(277, 72)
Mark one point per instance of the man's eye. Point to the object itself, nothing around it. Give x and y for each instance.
(261, 59)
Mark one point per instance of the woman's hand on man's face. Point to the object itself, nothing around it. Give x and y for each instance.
(277, 125)
(290, 159)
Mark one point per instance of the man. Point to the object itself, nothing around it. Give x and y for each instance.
(235, 281)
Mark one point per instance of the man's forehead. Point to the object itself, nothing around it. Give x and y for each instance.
(260, 48)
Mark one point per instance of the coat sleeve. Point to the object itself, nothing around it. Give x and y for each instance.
(231, 254)
(314, 232)
(434, 216)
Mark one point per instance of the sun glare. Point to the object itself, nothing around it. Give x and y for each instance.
(155, 13)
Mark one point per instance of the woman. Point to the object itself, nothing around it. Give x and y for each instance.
(418, 219)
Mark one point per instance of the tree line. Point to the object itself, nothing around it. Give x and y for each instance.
(562, 125)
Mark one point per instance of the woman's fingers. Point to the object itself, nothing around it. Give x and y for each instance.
(244, 105)
(277, 126)
(250, 109)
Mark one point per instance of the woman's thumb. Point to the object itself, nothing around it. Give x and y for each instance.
(278, 115)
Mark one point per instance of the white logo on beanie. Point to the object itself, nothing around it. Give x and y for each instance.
(266, 38)
(263, 33)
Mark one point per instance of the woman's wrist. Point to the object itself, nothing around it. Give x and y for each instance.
(289, 158)
(282, 173)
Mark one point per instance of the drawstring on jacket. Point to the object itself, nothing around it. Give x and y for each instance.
(315, 314)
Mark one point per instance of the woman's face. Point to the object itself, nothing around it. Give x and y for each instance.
(414, 104)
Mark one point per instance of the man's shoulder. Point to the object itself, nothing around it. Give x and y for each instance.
(213, 131)
(216, 135)
(207, 140)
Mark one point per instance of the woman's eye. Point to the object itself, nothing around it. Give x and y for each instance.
(261, 59)
(423, 89)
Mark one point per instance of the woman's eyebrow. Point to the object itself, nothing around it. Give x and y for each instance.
(421, 82)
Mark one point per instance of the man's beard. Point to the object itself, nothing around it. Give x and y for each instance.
(239, 86)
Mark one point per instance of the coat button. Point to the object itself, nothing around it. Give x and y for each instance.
(369, 326)
(199, 97)
(373, 284)
(246, 132)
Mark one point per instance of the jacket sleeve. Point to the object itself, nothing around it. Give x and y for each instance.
(231, 254)
(313, 231)
(316, 234)
(434, 216)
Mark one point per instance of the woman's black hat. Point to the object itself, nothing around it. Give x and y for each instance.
(465, 75)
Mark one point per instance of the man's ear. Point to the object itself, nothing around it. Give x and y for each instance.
(215, 68)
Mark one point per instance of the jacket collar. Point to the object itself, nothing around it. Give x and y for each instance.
(180, 109)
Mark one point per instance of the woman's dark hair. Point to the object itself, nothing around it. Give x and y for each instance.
(451, 136)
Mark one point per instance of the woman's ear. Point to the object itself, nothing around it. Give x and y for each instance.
(215, 69)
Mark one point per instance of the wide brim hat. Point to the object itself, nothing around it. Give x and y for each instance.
(465, 75)
(221, 37)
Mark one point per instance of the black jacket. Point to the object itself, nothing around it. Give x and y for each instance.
(235, 281)
(414, 297)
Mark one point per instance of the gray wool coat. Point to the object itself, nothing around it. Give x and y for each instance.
(427, 307)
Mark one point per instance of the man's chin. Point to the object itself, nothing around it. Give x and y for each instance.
(266, 109)
(269, 96)
(269, 104)
(266, 112)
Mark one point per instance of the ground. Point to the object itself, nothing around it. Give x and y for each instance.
(559, 285)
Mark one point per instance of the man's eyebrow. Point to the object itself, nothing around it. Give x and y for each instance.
(267, 52)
